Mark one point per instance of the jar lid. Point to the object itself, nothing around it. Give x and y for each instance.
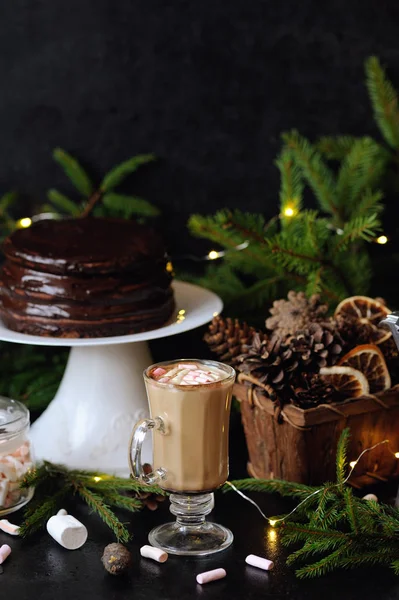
(14, 417)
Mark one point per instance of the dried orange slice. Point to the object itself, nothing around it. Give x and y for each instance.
(349, 382)
(367, 313)
(371, 362)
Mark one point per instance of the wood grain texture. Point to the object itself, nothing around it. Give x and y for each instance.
(303, 448)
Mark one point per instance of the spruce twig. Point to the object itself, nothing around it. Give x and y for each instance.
(384, 100)
(100, 200)
(54, 484)
(340, 530)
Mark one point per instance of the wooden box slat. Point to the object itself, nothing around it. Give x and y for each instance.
(302, 447)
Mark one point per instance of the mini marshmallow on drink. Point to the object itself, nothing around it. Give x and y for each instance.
(188, 374)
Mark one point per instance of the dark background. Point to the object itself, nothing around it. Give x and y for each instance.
(207, 86)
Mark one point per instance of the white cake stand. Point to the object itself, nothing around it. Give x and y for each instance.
(102, 394)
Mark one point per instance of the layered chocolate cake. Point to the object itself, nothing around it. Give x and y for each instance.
(87, 277)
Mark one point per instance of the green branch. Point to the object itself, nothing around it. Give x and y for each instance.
(340, 530)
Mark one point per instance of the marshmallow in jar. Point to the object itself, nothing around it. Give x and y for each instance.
(15, 455)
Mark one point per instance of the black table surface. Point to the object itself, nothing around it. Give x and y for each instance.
(39, 568)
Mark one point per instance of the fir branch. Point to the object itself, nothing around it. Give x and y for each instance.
(324, 565)
(342, 531)
(335, 147)
(342, 456)
(121, 501)
(359, 228)
(6, 220)
(295, 532)
(360, 171)
(312, 548)
(63, 203)
(104, 482)
(119, 173)
(96, 503)
(284, 488)
(74, 171)
(93, 200)
(350, 510)
(38, 513)
(319, 177)
(377, 557)
(370, 202)
(54, 483)
(384, 101)
(291, 186)
(129, 205)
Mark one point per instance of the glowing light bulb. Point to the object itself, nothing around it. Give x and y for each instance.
(213, 254)
(289, 211)
(169, 267)
(353, 464)
(396, 454)
(97, 479)
(25, 222)
(382, 239)
(215, 314)
(182, 312)
(272, 522)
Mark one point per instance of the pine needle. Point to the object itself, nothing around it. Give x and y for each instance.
(55, 484)
(384, 100)
(334, 527)
(97, 504)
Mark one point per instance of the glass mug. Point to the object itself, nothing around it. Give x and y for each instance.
(190, 425)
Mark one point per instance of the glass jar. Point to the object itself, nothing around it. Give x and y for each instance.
(15, 455)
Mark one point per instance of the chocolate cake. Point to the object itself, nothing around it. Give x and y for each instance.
(87, 277)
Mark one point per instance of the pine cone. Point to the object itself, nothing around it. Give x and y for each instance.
(314, 391)
(391, 355)
(296, 313)
(317, 347)
(270, 361)
(281, 364)
(228, 338)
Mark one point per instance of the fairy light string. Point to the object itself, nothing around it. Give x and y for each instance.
(273, 522)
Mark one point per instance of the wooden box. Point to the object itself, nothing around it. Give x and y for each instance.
(300, 445)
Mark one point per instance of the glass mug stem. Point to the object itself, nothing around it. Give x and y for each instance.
(137, 438)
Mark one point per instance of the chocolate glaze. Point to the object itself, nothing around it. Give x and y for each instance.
(84, 246)
(106, 292)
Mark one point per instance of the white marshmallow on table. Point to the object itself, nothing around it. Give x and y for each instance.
(67, 531)
(259, 562)
(8, 527)
(155, 553)
(5, 552)
(209, 576)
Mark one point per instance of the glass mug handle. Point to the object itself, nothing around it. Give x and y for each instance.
(137, 438)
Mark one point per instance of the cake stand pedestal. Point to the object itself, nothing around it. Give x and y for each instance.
(102, 395)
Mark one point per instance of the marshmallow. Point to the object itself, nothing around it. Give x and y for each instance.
(5, 552)
(154, 553)
(158, 371)
(210, 576)
(62, 512)
(67, 531)
(371, 497)
(260, 563)
(8, 527)
(4, 485)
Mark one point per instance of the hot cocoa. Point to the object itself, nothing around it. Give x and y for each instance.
(193, 400)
